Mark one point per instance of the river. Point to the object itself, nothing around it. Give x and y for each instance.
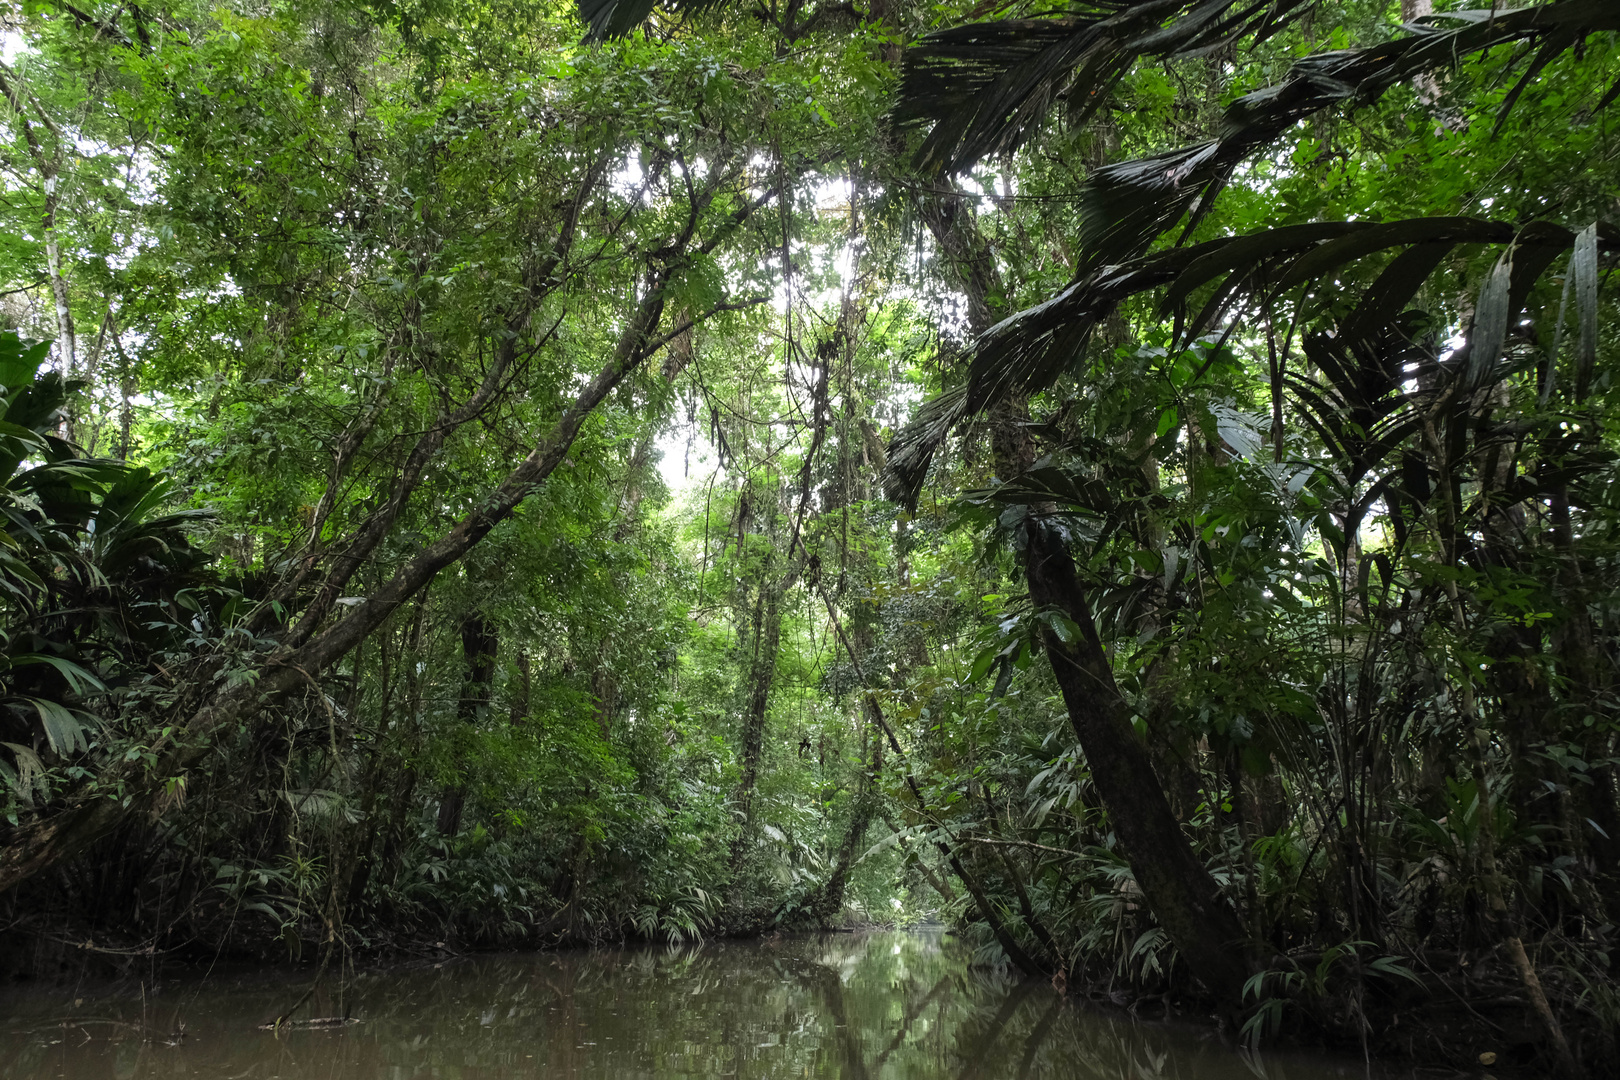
(854, 1006)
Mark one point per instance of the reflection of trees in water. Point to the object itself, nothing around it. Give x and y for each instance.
(858, 1007)
(1037, 1037)
(979, 1035)
(915, 1006)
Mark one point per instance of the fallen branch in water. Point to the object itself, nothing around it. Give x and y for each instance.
(283, 1019)
(314, 1023)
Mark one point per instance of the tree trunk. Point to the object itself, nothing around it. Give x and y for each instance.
(479, 643)
(49, 164)
(520, 698)
(1174, 882)
(66, 338)
(828, 899)
(757, 698)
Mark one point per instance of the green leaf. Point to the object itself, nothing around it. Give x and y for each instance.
(1491, 316)
(18, 361)
(80, 679)
(982, 662)
(62, 726)
(1392, 967)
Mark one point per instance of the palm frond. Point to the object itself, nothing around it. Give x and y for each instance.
(986, 86)
(1125, 206)
(1029, 351)
(1022, 353)
(606, 19)
(913, 447)
(1357, 404)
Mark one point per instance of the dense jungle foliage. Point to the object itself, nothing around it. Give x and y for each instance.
(1132, 479)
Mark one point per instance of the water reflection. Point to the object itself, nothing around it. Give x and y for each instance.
(860, 1007)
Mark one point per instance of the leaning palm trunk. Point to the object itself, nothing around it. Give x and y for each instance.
(1177, 886)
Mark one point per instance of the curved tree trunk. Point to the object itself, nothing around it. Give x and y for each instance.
(1175, 883)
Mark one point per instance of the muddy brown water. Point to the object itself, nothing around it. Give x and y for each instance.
(854, 1006)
